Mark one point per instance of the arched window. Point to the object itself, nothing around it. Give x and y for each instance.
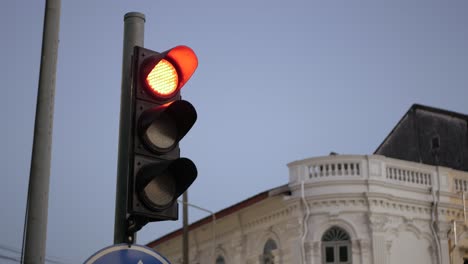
(268, 257)
(220, 260)
(336, 246)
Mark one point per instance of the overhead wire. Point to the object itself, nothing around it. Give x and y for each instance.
(48, 259)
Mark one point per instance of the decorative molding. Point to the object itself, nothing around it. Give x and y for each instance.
(388, 250)
(221, 251)
(378, 222)
(388, 245)
(271, 218)
(316, 247)
(443, 229)
(308, 246)
(365, 246)
(398, 206)
(450, 212)
(337, 203)
(381, 200)
(355, 247)
(433, 253)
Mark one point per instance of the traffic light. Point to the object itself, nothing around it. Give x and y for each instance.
(158, 175)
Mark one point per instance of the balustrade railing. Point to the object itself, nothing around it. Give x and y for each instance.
(338, 168)
(408, 176)
(461, 185)
(378, 168)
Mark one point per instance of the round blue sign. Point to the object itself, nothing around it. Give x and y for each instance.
(127, 254)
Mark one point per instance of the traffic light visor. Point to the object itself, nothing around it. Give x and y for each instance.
(160, 184)
(161, 128)
(184, 60)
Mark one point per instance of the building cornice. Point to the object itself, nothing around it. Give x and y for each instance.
(284, 189)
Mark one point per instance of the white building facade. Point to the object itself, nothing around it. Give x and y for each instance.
(339, 209)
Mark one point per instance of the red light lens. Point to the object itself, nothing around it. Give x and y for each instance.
(163, 79)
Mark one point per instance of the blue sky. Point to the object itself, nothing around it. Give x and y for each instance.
(277, 81)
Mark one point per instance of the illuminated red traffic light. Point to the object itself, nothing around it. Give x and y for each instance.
(163, 79)
(160, 120)
(164, 74)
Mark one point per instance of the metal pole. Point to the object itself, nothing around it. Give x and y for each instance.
(34, 246)
(134, 29)
(185, 249)
(213, 216)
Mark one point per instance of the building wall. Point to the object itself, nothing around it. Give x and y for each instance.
(393, 211)
(239, 237)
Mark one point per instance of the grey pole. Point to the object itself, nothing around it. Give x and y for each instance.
(134, 32)
(185, 238)
(213, 217)
(34, 246)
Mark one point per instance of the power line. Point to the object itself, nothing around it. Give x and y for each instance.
(48, 259)
(9, 258)
(7, 248)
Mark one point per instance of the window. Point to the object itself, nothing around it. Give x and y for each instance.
(220, 260)
(268, 257)
(336, 246)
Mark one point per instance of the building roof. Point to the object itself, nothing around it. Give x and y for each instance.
(430, 136)
(415, 107)
(224, 212)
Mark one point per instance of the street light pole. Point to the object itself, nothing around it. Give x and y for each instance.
(213, 216)
(35, 232)
(185, 235)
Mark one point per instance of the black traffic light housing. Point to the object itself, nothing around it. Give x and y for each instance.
(160, 119)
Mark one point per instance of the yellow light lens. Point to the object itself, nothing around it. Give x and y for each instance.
(163, 79)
